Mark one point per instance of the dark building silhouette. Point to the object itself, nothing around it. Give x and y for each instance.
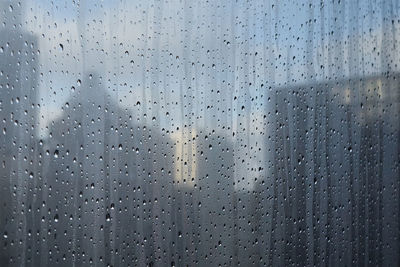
(203, 203)
(108, 184)
(216, 194)
(332, 197)
(18, 120)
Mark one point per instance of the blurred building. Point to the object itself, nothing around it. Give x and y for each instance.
(334, 186)
(203, 198)
(18, 119)
(108, 183)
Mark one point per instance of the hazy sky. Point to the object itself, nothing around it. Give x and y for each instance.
(180, 53)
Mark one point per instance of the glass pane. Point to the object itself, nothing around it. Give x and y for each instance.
(199, 133)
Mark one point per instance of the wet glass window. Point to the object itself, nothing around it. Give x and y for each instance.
(199, 133)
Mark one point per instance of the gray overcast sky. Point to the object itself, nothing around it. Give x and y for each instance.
(148, 56)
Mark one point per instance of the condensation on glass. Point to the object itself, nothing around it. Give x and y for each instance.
(199, 133)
